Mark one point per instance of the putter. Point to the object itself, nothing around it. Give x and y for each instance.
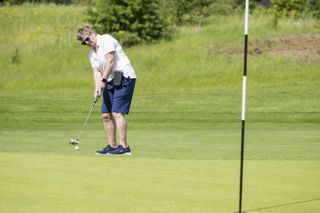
(77, 140)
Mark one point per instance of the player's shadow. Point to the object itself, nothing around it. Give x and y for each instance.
(284, 204)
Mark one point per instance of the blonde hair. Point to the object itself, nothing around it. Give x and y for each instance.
(84, 32)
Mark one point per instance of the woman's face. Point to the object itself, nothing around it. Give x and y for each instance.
(91, 40)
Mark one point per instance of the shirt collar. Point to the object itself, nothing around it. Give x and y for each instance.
(98, 39)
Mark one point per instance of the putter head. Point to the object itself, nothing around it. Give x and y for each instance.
(74, 141)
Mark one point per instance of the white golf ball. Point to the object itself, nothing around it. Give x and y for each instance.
(76, 148)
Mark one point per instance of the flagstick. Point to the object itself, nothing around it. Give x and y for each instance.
(244, 85)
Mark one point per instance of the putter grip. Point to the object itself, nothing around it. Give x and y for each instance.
(96, 99)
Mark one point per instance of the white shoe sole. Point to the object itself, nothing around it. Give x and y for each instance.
(109, 154)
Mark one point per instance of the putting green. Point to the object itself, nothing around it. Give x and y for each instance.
(56, 183)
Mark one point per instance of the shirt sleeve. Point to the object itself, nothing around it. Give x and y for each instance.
(108, 44)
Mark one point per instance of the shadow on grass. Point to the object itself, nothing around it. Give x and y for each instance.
(284, 204)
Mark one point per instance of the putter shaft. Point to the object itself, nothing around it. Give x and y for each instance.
(86, 121)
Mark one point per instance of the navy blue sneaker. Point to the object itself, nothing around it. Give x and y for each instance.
(120, 151)
(105, 150)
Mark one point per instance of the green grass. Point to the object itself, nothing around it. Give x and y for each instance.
(184, 124)
(90, 184)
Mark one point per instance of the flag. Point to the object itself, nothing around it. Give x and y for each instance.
(265, 3)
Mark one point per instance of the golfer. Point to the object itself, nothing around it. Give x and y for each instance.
(114, 79)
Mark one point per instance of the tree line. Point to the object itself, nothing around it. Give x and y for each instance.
(136, 21)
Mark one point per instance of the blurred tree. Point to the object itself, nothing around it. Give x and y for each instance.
(314, 7)
(36, 1)
(131, 21)
(287, 6)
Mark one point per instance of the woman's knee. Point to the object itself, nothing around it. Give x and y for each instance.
(117, 115)
(106, 116)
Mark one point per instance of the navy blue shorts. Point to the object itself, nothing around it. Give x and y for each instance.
(118, 99)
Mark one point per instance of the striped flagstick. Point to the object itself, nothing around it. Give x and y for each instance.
(243, 110)
(267, 4)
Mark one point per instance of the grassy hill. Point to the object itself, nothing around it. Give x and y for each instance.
(196, 75)
(42, 39)
(184, 125)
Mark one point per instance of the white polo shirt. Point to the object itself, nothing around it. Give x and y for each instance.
(106, 44)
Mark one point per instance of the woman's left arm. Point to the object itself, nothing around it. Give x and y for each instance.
(108, 68)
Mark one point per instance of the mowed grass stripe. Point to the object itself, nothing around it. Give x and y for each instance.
(175, 141)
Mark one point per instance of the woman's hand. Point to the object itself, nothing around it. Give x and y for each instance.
(102, 86)
(99, 89)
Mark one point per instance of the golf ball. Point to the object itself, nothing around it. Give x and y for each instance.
(76, 148)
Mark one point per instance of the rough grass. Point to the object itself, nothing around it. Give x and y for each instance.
(47, 55)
